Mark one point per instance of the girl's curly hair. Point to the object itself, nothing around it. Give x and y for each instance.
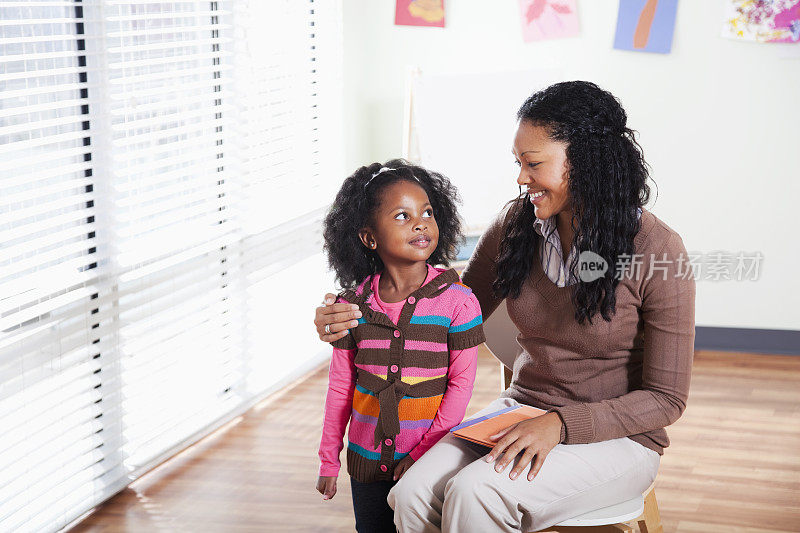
(355, 205)
(607, 183)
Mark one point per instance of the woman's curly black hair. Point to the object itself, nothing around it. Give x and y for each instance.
(355, 205)
(607, 183)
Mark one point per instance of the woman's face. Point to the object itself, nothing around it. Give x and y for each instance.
(543, 169)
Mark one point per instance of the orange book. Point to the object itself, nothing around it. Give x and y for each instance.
(479, 429)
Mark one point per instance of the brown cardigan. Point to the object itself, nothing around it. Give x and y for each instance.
(425, 320)
(624, 378)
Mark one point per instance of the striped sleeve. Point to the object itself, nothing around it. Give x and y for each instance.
(347, 342)
(466, 327)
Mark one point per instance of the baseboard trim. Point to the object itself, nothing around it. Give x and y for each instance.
(764, 341)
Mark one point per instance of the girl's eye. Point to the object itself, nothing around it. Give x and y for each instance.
(533, 165)
(428, 213)
(518, 163)
(399, 215)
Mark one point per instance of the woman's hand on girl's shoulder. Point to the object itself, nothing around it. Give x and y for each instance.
(326, 485)
(341, 317)
(534, 437)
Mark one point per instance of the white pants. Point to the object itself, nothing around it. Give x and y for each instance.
(452, 489)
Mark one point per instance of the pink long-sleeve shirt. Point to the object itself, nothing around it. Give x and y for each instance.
(342, 381)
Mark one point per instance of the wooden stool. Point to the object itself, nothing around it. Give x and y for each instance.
(622, 517)
(501, 338)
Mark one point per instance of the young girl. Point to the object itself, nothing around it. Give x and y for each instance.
(404, 376)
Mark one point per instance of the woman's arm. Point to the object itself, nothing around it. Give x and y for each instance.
(338, 405)
(668, 316)
(480, 273)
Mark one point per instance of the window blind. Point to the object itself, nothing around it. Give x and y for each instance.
(290, 91)
(52, 457)
(168, 220)
(151, 155)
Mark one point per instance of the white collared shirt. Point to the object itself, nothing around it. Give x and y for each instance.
(550, 251)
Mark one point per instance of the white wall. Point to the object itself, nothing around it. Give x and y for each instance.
(719, 123)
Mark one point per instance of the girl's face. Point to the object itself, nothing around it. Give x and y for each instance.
(403, 228)
(544, 169)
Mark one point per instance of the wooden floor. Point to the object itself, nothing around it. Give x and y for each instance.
(733, 465)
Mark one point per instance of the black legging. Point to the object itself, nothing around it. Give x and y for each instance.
(373, 514)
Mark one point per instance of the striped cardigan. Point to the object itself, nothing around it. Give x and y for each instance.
(402, 369)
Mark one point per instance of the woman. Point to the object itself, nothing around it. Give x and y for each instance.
(609, 358)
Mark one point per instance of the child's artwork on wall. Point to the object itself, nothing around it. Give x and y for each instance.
(419, 13)
(646, 25)
(763, 21)
(548, 19)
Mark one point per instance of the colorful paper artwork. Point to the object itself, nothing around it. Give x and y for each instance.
(419, 13)
(646, 25)
(548, 19)
(763, 21)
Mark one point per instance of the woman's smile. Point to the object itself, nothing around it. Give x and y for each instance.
(536, 197)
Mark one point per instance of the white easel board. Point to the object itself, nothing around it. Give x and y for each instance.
(463, 126)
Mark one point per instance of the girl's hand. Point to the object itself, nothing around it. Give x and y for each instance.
(326, 485)
(535, 437)
(339, 316)
(402, 467)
